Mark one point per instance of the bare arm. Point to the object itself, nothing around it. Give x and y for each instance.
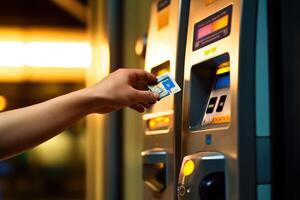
(27, 127)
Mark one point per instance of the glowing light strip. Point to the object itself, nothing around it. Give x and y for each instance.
(215, 157)
(45, 54)
(153, 115)
(223, 70)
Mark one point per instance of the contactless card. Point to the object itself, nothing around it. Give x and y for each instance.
(165, 87)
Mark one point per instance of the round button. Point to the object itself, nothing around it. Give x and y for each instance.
(188, 168)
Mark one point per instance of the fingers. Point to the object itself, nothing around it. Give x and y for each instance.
(141, 107)
(138, 108)
(146, 105)
(142, 75)
(145, 96)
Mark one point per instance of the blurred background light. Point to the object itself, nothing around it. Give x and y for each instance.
(3, 103)
(58, 54)
(12, 54)
(56, 151)
(45, 54)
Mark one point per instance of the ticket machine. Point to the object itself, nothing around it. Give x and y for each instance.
(164, 54)
(225, 131)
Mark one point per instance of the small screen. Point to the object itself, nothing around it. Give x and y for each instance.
(223, 81)
(213, 28)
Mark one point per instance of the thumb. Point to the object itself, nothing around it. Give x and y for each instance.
(145, 96)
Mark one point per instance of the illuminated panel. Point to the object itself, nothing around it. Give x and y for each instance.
(213, 28)
(221, 120)
(204, 31)
(223, 70)
(163, 13)
(158, 123)
(208, 2)
(222, 81)
(45, 54)
(220, 23)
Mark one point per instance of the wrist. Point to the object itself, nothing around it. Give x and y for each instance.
(92, 100)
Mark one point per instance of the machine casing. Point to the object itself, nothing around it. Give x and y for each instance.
(165, 53)
(244, 140)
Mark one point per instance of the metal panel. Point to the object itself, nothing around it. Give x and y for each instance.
(264, 192)
(263, 163)
(166, 44)
(237, 140)
(262, 72)
(114, 145)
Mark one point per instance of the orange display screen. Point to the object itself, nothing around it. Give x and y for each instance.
(213, 27)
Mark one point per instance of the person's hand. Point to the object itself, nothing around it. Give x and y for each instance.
(122, 88)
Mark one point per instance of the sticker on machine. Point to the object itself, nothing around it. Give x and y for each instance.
(166, 86)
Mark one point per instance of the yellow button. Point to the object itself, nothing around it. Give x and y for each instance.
(188, 168)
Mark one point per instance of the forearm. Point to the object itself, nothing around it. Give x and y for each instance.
(27, 127)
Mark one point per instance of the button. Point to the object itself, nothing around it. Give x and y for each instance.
(188, 168)
(211, 105)
(221, 103)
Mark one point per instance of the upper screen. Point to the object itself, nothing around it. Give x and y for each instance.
(213, 28)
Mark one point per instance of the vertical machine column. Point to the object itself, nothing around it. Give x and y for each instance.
(164, 54)
(225, 131)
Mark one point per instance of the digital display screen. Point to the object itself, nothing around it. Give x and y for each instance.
(223, 81)
(213, 28)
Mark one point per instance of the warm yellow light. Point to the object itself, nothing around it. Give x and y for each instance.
(188, 168)
(162, 71)
(207, 2)
(160, 165)
(56, 151)
(223, 70)
(152, 124)
(45, 54)
(58, 54)
(224, 64)
(159, 122)
(3, 103)
(163, 18)
(12, 54)
(167, 119)
(220, 23)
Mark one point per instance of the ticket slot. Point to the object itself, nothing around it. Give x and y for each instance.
(161, 69)
(155, 169)
(209, 105)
